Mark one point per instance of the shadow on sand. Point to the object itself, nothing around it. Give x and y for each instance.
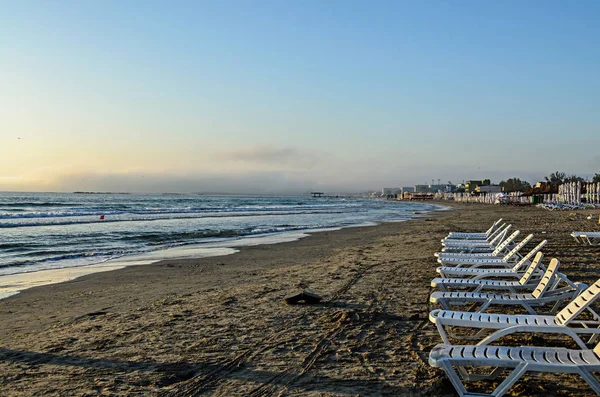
(193, 376)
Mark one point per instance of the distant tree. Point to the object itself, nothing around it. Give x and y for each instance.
(573, 178)
(556, 178)
(514, 185)
(596, 178)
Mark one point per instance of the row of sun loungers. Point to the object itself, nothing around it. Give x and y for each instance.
(506, 278)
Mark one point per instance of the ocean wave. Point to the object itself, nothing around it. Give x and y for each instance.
(57, 221)
(197, 236)
(68, 256)
(97, 211)
(131, 228)
(145, 243)
(17, 204)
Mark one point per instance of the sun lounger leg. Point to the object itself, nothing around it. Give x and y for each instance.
(590, 379)
(528, 307)
(442, 332)
(444, 304)
(453, 335)
(454, 378)
(593, 338)
(485, 306)
(514, 376)
(556, 306)
(502, 388)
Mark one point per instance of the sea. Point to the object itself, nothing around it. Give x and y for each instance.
(44, 231)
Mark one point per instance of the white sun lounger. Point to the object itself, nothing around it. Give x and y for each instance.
(475, 235)
(501, 271)
(497, 247)
(478, 246)
(480, 282)
(463, 242)
(501, 250)
(565, 322)
(522, 359)
(498, 240)
(487, 237)
(590, 238)
(545, 292)
(471, 260)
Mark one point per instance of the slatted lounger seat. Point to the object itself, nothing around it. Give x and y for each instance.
(496, 252)
(480, 283)
(545, 292)
(475, 235)
(565, 322)
(482, 267)
(480, 247)
(489, 239)
(522, 359)
(503, 244)
(471, 260)
(474, 252)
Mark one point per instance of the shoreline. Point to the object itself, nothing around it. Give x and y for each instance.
(13, 284)
(218, 325)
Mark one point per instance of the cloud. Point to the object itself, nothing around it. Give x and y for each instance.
(289, 156)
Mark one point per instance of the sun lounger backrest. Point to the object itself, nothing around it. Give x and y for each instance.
(597, 350)
(529, 255)
(493, 228)
(582, 302)
(505, 243)
(532, 267)
(499, 234)
(546, 278)
(517, 248)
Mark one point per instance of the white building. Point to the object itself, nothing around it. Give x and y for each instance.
(390, 191)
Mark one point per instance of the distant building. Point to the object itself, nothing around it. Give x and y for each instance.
(416, 196)
(390, 191)
(443, 188)
(488, 189)
(471, 185)
(408, 189)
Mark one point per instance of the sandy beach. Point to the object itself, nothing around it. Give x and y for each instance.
(219, 326)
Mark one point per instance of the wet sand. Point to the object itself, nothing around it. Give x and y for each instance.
(218, 326)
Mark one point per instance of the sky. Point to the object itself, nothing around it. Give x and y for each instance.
(291, 96)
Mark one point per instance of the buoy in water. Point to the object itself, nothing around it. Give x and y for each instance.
(101, 216)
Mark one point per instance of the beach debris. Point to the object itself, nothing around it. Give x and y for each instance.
(303, 297)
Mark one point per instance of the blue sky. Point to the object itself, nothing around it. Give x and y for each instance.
(339, 95)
